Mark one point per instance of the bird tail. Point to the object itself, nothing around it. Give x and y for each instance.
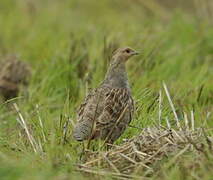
(82, 130)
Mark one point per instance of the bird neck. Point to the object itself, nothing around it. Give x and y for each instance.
(116, 75)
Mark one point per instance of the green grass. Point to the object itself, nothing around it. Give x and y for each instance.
(66, 41)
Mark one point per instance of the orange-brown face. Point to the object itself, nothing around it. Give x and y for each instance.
(124, 53)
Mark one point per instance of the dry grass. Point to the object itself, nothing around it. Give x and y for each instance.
(139, 154)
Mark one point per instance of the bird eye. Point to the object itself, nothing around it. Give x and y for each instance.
(127, 51)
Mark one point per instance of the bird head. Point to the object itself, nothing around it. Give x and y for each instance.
(123, 54)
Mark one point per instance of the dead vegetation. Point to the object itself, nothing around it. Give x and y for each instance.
(139, 154)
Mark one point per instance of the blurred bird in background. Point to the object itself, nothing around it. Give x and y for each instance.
(14, 76)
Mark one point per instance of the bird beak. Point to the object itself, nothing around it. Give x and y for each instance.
(135, 53)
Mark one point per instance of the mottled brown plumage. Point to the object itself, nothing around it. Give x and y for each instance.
(13, 74)
(108, 109)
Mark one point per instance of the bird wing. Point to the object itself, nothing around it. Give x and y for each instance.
(116, 115)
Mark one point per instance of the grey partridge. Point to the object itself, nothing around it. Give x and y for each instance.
(108, 109)
(13, 74)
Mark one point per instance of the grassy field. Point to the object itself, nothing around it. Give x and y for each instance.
(68, 45)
